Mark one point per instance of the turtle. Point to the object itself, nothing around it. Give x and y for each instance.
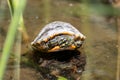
(58, 36)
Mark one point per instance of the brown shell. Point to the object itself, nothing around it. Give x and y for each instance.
(55, 33)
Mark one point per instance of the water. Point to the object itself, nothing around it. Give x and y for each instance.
(100, 46)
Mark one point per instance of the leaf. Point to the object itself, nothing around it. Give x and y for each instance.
(61, 78)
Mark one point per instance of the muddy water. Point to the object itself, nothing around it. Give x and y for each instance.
(100, 46)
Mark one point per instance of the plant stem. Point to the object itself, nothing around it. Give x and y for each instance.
(46, 10)
(11, 36)
(118, 58)
(17, 56)
(12, 5)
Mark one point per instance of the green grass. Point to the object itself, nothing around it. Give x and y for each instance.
(11, 36)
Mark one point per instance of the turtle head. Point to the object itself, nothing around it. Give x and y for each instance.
(78, 44)
(79, 41)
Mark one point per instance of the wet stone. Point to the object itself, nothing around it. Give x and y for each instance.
(63, 63)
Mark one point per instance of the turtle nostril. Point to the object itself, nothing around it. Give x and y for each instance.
(78, 45)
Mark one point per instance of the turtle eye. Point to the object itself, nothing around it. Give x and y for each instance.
(83, 38)
(42, 43)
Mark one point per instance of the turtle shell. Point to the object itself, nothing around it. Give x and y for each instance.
(58, 36)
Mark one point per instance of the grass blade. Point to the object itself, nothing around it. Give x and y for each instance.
(10, 36)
